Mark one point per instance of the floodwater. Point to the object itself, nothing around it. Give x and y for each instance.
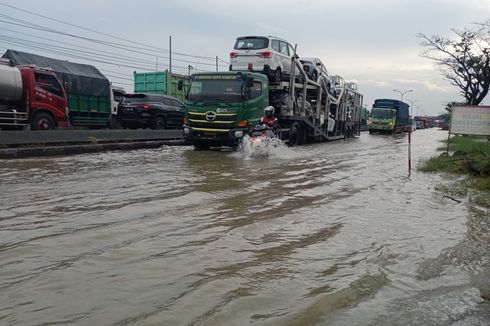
(325, 234)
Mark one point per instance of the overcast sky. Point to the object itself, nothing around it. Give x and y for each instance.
(371, 42)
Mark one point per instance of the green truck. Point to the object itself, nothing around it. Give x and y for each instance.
(222, 107)
(389, 116)
(160, 82)
(88, 90)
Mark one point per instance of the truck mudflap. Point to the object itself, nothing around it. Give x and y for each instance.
(216, 137)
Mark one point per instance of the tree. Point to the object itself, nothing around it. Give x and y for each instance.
(463, 61)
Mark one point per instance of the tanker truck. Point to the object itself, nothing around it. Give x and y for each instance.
(32, 97)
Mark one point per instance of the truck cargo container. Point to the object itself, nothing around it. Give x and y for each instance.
(389, 116)
(30, 96)
(222, 107)
(88, 90)
(161, 83)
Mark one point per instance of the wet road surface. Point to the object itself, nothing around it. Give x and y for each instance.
(325, 234)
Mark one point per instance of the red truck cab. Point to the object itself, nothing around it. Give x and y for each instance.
(45, 98)
(31, 96)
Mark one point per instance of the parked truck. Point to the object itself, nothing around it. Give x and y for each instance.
(31, 96)
(222, 107)
(160, 83)
(389, 116)
(88, 91)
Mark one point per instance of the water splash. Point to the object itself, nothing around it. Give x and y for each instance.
(264, 148)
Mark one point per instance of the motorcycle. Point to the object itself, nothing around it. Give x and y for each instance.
(262, 140)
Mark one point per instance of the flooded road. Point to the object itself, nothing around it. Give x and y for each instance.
(326, 234)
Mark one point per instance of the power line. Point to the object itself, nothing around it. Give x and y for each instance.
(115, 45)
(102, 33)
(88, 55)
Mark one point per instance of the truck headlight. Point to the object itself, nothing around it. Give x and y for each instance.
(238, 134)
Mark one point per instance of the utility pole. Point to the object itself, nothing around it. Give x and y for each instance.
(403, 93)
(216, 63)
(170, 54)
(411, 106)
(156, 65)
(189, 69)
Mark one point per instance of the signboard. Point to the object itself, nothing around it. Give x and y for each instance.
(470, 120)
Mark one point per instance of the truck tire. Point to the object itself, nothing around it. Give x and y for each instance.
(159, 123)
(43, 121)
(294, 135)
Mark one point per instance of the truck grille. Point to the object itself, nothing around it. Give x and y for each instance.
(212, 120)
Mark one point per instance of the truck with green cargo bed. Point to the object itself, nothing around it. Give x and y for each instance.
(222, 107)
(160, 83)
(389, 116)
(88, 90)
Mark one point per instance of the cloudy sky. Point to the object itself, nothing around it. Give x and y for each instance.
(372, 42)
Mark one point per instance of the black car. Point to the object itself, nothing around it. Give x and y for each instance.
(149, 110)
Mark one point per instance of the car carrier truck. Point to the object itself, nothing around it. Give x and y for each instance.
(32, 97)
(222, 107)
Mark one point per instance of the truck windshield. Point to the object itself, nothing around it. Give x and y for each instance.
(225, 90)
(382, 113)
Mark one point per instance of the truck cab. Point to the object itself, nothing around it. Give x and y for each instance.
(31, 95)
(222, 107)
(382, 120)
(389, 116)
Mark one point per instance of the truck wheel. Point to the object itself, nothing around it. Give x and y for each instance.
(114, 123)
(43, 121)
(202, 145)
(159, 123)
(294, 135)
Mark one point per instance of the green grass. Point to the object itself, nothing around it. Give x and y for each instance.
(468, 144)
(468, 155)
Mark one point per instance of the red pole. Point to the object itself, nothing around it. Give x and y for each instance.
(409, 150)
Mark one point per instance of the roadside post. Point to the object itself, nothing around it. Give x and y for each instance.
(449, 131)
(409, 150)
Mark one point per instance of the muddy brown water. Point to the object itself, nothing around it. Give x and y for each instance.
(325, 234)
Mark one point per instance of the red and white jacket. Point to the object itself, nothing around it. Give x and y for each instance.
(270, 122)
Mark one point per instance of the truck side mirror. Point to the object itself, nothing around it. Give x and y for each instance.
(180, 85)
(249, 83)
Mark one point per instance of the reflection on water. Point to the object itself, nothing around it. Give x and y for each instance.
(331, 233)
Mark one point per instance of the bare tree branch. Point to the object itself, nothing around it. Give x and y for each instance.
(463, 61)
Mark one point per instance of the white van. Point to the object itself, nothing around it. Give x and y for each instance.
(265, 54)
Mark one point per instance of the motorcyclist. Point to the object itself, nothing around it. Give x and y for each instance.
(269, 119)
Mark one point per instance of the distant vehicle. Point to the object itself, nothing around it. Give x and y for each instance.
(314, 68)
(421, 122)
(413, 123)
(265, 54)
(337, 84)
(150, 111)
(117, 94)
(161, 83)
(88, 91)
(389, 116)
(364, 119)
(32, 96)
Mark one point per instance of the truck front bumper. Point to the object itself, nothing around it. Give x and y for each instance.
(217, 137)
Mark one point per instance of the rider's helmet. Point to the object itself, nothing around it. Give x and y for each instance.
(269, 111)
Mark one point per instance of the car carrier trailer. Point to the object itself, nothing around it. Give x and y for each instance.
(222, 107)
